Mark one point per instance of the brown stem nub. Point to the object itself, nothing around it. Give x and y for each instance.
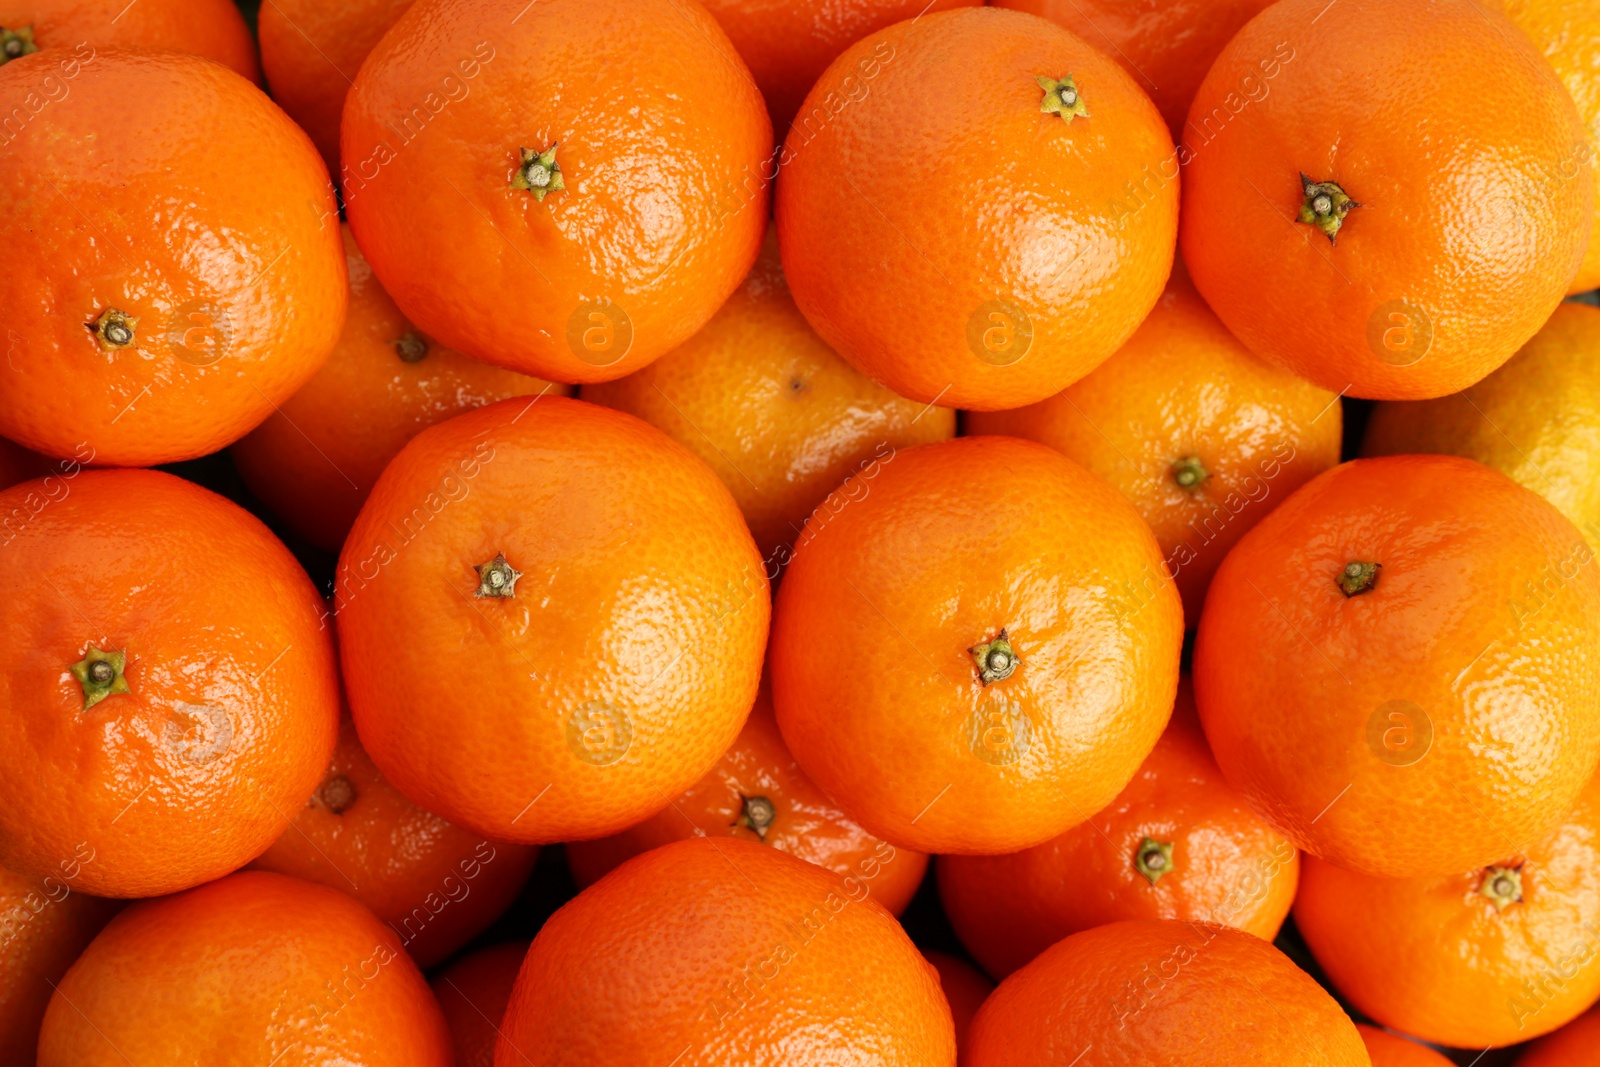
(412, 347)
(1358, 577)
(114, 329)
(995, 659)
(497, 578)
(337, 793)
(756, 813)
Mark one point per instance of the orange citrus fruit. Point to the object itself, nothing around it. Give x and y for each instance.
(551, 619)
(975, 646)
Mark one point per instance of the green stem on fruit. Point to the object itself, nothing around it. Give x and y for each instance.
(756, 814)
(1502, 886)
(995, 659)
(1358, 577)
(497, 578)
(1153, 859)
(1061, 97)
(539, 173)
(1324, 205)
(14, 44)
(1189, 472)
(100, 675)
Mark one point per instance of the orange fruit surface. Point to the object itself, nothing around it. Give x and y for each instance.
(789, 43)
(1149, 990)
(613, 663)
(757, 792)
(771, 408)
(213, 228)
(1166, 46)
(1437, 720)
(1536, 419)
(1575, 1045)
(1452, 228)
(473, 993)
(1200, 435)
(885, 631)
(1494, 956)
(315, 458)
(44, 925)
(1392, 1050)
(259, 968)
(965, 989)
(1568, 32)
(311, 53)
(661, 146)
(965, 245)
(220, 717)
(210, 28)
(715, 952)
(1177, 843)
(437, 886)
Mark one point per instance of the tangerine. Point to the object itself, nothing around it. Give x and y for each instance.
(988, 244)
(975, 646)
(714, 952)
(1372, 222)
(551, 618)
(1158, 990)
(473, 993)
(1391, 1050)
(260, 969)
(1398, 666)
(771, 408)
(534, 194)
(165, 336)
(211, 28)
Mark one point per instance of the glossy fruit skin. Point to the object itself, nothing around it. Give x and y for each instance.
(1166, 47)
(435, 885)
(1568, 33)
(262, 968)
(805, 823)
(965, 989)
(771, 408)
(642, 617)
(473, 993)
(789, 44)
(233, 701)
(918, 281)
(1230, 998)
(211, 28)
(1433, 957)
(311, 53)
(1575, 1045)
(1183, 387)
(316, 457)
(664, 203)
(236, 277)
(1227, 865)
(1391, 1050)
(1536, 419)
(679, 952)
(1497, 192)
(909, 566)
(1449, 709)
(44, 925)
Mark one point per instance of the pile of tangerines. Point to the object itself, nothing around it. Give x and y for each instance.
(905, 496)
